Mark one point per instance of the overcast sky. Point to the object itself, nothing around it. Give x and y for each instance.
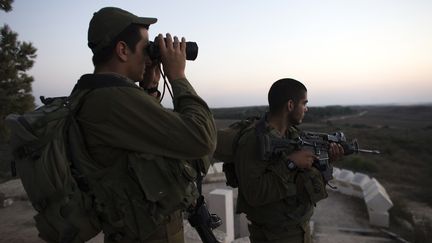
(345, 52)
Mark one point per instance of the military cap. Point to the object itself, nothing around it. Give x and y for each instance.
(108, 22)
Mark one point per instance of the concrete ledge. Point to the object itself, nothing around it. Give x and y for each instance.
(333, 183)
(344, 182)
(380, 219)
(336, 172)
(373, 193)
(220, 201)
(358, 182)
(371, 186)
(378, 200)
(241, 226)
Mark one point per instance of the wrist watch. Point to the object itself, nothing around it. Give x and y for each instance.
(291, 165)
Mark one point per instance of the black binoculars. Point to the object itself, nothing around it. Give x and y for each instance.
(191, 50)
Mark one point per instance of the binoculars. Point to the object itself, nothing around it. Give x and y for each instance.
(191, 50)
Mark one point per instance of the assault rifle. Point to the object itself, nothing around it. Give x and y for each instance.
(318, 142)
(203, 221)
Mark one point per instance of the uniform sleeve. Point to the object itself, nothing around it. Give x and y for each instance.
(130, 119)
(261, 182)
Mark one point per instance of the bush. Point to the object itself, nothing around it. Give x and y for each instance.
(359, 164)
(5, 161)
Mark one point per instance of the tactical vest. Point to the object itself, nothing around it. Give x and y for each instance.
(139, 191)
(290, 212)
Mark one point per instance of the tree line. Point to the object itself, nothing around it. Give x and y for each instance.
(314, 114)
(16, 58)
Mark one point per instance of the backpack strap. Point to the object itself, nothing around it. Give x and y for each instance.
(260, 125)
(85, 85)
(93, 81)
(248, 124)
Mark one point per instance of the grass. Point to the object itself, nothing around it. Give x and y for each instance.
(407, 225)
(358, 163)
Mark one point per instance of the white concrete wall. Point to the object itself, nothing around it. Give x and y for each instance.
(378, 200)
(358, 182)
(344, 182)
(378, 218)
(375, 196)
(220, 201)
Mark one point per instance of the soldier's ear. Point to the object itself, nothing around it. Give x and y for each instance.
(290, 105)
(122, 50)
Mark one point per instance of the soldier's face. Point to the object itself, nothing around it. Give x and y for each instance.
(298, 113)
(139, 59)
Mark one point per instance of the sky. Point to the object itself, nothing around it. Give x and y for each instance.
(346, 52)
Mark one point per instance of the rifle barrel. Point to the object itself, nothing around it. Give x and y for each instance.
(368, 151)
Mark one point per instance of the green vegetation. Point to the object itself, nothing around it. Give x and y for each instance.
(358, 163)
(322, 113)
(16, 58)
(407, 225)
(314, 113)
(237, 113)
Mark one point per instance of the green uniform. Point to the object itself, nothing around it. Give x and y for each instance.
(141, 178)
(275, 199)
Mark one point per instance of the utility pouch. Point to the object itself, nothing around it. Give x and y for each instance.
(122, 206)
(168, 184)
(314, 185)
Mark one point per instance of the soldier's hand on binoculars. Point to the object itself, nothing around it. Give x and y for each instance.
(173, 56)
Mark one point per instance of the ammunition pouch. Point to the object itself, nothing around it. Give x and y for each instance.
(138, 196)
(310, 186)
(72, 221)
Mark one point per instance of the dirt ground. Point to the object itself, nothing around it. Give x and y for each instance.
(336, 219)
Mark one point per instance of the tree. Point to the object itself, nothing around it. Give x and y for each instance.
(15, 59)
(6, 5)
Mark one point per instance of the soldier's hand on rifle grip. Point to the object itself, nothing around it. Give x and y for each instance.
(336, 152)
(303, 159)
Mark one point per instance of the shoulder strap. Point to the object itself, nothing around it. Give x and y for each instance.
(261, 125)
(85, 85)
(93, 81)
(250, 123)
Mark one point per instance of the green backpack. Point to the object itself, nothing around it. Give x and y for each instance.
(227, 142)
(49, 153)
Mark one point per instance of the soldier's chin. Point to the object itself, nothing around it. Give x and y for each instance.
(295, 123)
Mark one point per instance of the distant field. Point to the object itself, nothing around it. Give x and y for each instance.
(314, 113)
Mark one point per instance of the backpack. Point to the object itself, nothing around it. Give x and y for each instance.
(49, 156)
(227, 142)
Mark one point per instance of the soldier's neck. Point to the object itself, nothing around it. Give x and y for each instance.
(279, 122)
